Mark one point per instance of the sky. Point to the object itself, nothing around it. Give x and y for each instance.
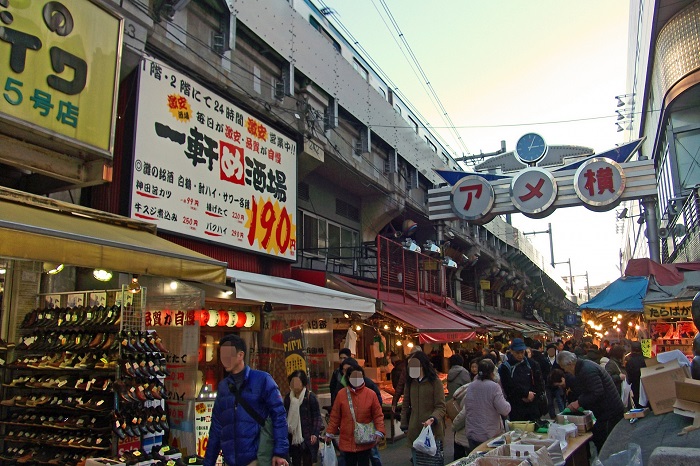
(503, 68)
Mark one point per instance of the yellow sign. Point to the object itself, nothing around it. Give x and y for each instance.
(485, 284)
(59, 62)
(508, 294)
(674, 310)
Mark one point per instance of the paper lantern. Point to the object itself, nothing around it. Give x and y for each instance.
(223, 318)
(241, 319)
(213, 318)
(249, 319)
(203, 317)
(232, 319)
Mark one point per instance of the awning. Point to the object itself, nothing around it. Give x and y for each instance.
(624, 294)
(260, 287)
(479, 321)
(432, 326)
(68, 234)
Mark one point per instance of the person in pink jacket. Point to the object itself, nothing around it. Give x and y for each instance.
(367, 409)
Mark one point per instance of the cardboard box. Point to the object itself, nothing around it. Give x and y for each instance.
(688, 390)
(584, 422)
(373, 373)
(659, 383)
(637, 413)
(499, 461)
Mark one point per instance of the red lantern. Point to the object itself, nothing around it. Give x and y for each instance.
(203, 317)
(223, 318)
(241, 319)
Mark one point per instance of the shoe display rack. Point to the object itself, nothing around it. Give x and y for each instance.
(57, 392)
(81, 383)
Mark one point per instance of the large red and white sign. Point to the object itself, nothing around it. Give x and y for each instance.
(533, 191)
(472, 197)
(207, 169)
(599, 182)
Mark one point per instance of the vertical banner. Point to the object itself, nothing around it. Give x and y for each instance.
(202, 422)
(294, 354)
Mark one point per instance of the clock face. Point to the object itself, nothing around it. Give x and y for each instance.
(530, 148)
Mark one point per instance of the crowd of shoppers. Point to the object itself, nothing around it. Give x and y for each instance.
(252, 424)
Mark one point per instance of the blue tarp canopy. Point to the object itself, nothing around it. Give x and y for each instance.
(624, 294)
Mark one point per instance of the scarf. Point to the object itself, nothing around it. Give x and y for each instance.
(294, 418)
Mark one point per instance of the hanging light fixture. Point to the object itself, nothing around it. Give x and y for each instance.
(134, 286)
(102, 275)
(52, 268)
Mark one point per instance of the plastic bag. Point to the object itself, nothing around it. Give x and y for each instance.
(626, 390)
(328, 455)
(630, 457)
(425, 443)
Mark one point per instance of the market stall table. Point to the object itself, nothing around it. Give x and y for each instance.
(575, 454)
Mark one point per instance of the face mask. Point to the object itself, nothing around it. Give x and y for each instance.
(357, 381)
(414, 372)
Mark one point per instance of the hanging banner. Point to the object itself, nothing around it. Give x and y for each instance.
(675, 310)
(205, 168)
(294, 354)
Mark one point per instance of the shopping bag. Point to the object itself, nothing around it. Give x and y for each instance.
(626, 390)
(630, 457)
(425, 443)
(328, 455)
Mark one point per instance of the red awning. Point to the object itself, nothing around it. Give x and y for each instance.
(423, 318)
(445, 337)
(478, 320)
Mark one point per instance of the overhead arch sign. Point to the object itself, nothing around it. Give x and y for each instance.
(598, 183)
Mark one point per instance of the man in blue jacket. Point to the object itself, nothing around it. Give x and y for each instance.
(245, 399)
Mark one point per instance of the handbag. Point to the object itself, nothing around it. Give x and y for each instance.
(542, 403)
(452, 408)
(364, 433)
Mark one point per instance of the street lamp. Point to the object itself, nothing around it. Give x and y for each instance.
(588, 288)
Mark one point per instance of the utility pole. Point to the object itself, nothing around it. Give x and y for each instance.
(588, 288)
(551, 243)
(571, 278)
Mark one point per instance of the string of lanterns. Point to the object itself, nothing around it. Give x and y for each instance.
(205, 318)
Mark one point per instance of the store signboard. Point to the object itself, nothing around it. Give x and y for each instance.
(676, 310)
(59, 63)
(205, 168)
(294, 354)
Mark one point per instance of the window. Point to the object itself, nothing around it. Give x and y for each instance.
(430, 144)
(382, 92)
(256, 79)
(322, 238)
(360, 69)
(398, 109)
(316, 25)
(414, 123)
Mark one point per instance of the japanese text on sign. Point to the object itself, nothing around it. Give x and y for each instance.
(205, 168)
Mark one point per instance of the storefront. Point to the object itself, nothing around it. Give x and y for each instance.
(76, 289)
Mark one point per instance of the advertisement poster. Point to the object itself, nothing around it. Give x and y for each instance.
(294, 354)
(205, 168)
(202, 422)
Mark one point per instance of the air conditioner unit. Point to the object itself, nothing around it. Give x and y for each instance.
(679, 230)
(674, 207)
(664, 233)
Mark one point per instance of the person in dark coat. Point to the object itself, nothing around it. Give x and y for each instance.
(334, 385)
(304, 421)
(597, 393)
(541, 358)
(615, 368)
(522, 383)
(634, 370)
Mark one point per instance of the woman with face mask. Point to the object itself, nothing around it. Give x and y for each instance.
(304, 421)
(484, 407)
(357, 398)
(424, 398)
